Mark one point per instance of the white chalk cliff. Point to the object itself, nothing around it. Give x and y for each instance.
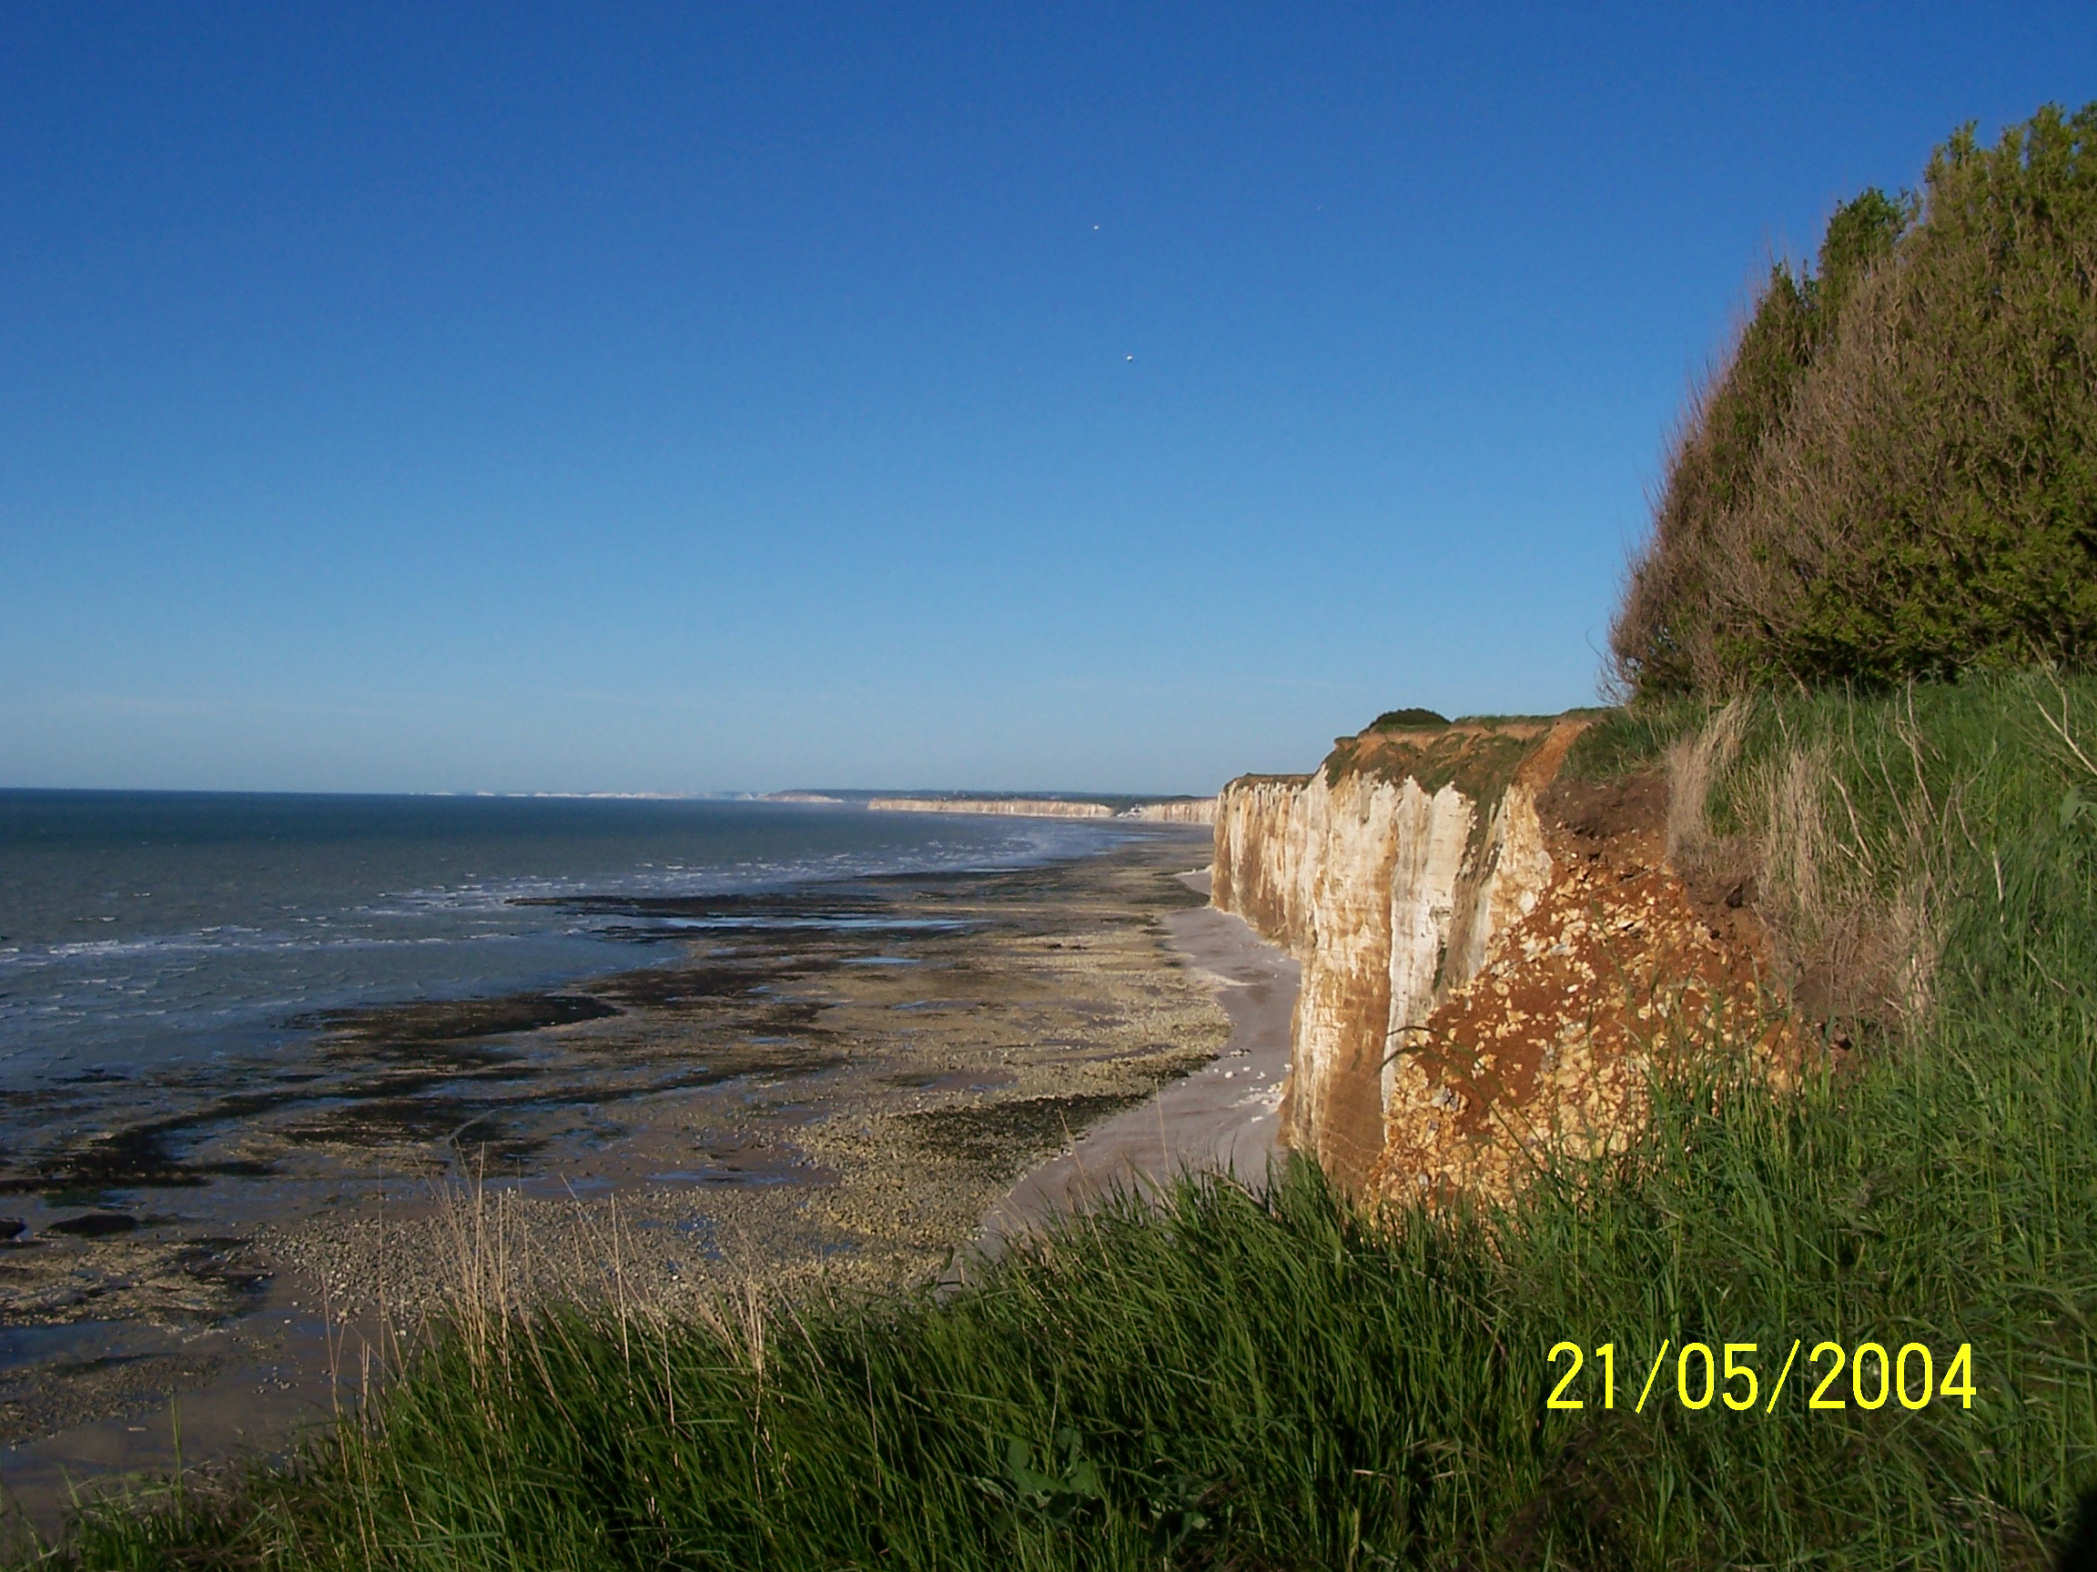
(1387, 874)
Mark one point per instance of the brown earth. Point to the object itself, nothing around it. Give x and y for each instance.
(1621, 968)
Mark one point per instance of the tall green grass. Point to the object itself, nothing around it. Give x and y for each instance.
(1248, 1382)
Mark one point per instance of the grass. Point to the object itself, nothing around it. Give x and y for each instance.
(1621, 740)
(1280, 1382)
(1414, 719)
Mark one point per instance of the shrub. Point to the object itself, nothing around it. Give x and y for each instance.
(1894, 474)
(1409, 720)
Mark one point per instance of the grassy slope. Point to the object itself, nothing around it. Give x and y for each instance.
(1281, 1385)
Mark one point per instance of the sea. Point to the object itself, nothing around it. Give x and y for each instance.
(148, 938)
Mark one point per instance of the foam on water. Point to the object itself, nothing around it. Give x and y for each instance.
(149, 932)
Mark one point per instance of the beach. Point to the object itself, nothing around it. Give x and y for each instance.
(784, 1104)
(1219, 1117)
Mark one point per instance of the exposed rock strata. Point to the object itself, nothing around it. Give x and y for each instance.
(1186, 810)
(1480, 976)
(1615, 969)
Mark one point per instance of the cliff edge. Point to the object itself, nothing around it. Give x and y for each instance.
(1492, 958)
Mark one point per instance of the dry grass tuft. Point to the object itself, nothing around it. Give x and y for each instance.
(1853, 903)
(1694, 766)
(1856, 914)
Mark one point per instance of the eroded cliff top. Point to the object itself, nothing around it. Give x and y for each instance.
(1479, 755)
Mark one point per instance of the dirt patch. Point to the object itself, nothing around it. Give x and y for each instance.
(1627, 814)
(1619, 969)
(1625, 819)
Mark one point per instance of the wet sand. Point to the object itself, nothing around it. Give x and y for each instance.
(1222, 1116)
(831, 1085)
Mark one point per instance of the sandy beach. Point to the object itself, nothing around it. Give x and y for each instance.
(839, 1110)
(1219, 1117)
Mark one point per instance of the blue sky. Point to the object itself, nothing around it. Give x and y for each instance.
(736, 397)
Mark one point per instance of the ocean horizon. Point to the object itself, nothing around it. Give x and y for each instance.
(150, 939)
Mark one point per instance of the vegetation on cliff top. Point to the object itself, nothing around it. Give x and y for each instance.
(1478, 763)
(1894, 473)
(1280, 1383)
(1409, 720)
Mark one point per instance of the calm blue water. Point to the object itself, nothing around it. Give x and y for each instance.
(148, 932)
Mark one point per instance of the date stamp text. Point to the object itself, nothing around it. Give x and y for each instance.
(1697, 1375)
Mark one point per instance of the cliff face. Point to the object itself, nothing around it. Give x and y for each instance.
(1192, 810)
(1464, 951)
(1189, 810)
(1014, 807)
(1387, 874)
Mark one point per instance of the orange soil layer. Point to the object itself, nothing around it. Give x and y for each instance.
(1617, 969)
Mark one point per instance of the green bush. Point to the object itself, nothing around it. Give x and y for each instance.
(1895, 473)
(1409, 720)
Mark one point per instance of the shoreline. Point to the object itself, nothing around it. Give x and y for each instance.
(1223, 1115)
(796, 1105)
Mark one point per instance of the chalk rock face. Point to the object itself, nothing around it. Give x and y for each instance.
(1188, 810)
(1387, 874)
(1194, 810)
(1012, 807)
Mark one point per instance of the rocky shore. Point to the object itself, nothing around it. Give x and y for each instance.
(830, 1086)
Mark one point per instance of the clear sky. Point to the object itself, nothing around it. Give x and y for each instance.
(707, 397)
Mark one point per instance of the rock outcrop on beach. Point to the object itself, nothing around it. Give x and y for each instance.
(1489, 962)
(1016, 807)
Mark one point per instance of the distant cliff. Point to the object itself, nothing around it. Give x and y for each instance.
(1483, 969)
(1017, 807)
(1189, 810)
(1181, 810)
